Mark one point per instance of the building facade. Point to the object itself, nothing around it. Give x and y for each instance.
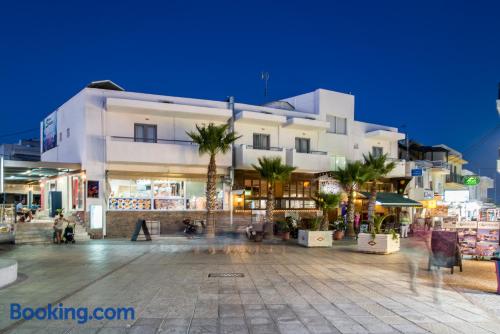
(138, 161)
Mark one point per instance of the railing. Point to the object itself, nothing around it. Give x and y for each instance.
(314, 152)
(271, 148)
(154, 141)
(439, 164)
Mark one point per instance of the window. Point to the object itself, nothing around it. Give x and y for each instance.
(145, 133)
(261, 141)
(338, 125)
(377, 151)
(302, 145)
(337, 162)
(419, 182)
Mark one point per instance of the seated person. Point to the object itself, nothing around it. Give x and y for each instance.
(26, 215)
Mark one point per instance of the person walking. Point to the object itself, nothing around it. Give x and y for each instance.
(404, 221)
(357, 219)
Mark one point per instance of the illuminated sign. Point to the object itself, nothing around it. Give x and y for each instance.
(456, 196)
(471, 180)
(96, 216)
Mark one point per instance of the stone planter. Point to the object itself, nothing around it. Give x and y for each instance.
(382, 244)
(315, 238)
(8, 272)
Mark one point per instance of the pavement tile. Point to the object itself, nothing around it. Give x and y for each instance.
(234, 329)
(264, 329)
(229, 310)
(292, 327)
(288, 289)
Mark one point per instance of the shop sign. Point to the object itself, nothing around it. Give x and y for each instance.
(488, 225)
(466, 224)
(471, 180)
(416, 172)
(428, 194)
(49, 132)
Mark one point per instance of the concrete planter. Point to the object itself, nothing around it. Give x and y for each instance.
(8, 272)
(315, 238)
(382, 244)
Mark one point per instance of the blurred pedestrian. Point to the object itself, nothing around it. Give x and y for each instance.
(404, 221)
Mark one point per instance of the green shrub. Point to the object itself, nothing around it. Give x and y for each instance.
(282, 226)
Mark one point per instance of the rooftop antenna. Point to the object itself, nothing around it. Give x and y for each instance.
(265, 76)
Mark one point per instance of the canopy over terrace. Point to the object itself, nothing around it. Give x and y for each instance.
(391, 200)
(31, 172)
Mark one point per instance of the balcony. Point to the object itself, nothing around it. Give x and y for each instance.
(246, 155)
(167, 152)
(399, 170)
(440, 167)
(454, 178)
(312, 162)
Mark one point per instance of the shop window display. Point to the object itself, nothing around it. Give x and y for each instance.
(168, 195)
(160, 195)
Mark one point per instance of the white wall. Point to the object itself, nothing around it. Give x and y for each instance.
(69, 116)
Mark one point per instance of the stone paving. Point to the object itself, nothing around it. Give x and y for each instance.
(286, 289)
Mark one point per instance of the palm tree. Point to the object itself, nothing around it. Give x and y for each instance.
(212, 139)
(272, 170)
(350, 178)
(379, 168)
(326, 202)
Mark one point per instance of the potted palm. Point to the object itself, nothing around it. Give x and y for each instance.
(212, 140)
(378, 241)
(379, 168)
(283, 230)
(338, 229)
(351, 178)
(272, 170)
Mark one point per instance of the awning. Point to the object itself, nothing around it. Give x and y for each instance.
(392, 200)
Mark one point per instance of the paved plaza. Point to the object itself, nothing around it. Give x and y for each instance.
(285, 289)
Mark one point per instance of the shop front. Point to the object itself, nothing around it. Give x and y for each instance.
(296, 194)
(168, 199)
(65, 192)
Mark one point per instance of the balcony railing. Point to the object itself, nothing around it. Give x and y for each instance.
(159, 151)
(153, 141)
(439, 164)
(271, 148)
(316, 152)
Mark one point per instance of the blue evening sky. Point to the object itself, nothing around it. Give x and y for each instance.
(432, 65)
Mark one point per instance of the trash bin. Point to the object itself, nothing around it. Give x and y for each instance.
(497, 271)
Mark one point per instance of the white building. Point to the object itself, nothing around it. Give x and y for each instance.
(138, 161)
(479, 192)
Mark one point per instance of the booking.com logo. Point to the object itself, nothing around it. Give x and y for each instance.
(80, 314)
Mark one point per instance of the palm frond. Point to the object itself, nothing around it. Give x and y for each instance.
(378, 165)
(213, 139)
(272, 169)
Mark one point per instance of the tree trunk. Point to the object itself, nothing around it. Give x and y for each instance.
(350, 215)
(270, 204)
(325, 224)
(371, 205)
(211, 195)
